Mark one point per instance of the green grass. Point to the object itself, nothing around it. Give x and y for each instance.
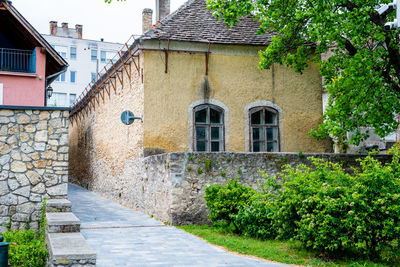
(289, 252)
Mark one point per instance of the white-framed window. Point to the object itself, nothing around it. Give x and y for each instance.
(208, 128)
(1, 94)
(72, 52)
(73, 76)
(264, 129)
(106, 56)
(62, 50)
(72, 98)
(93, 54)
(61, 77)
(58, 100)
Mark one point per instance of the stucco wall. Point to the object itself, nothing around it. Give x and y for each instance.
(25, 89)
(235, 81)
(33, 163)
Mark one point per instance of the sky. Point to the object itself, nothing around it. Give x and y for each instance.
(114, 22)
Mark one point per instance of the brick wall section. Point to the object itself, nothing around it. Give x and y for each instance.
(33, 163)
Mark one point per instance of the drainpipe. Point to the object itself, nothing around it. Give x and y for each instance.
(64, 69)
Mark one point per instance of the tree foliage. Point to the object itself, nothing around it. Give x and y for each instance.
(363, 70)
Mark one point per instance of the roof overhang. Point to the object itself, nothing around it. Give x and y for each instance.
(25, 32)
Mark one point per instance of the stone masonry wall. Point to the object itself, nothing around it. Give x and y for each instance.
(33, 162)
(171, 186)
(190, 173)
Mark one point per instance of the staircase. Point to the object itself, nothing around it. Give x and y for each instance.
(67, 247)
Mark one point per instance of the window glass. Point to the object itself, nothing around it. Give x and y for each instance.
(256, 117)
(270, 118)
(215, 147)
(201, 133)
(103, 56)
(209, 128)
(201, 146)
(215, 133)
(264, 130)
(72, 52)
(62, 50)
(92, 77)
(257, 133)
(58, 100)
(215, 116)
(93, 54)
(61, 77)
(201, 116)
(73, 76)
(72, 98)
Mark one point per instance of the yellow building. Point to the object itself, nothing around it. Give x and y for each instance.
(196, 84)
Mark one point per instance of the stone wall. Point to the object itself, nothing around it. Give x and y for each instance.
(171, 186)
(33, 162)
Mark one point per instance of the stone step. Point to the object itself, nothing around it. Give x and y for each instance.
(69, 249)
(62, 222)
(58, 205)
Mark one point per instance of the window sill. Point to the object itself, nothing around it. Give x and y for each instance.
(20, 74)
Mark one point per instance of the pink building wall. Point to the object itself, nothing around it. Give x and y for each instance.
(25, 89)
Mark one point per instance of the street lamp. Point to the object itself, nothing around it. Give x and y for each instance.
(49, 91)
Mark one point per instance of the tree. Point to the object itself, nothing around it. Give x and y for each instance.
(363, 70)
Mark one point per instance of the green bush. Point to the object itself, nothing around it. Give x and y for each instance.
(28, 248)
(257, 218)
(225, 201)
(331, 211)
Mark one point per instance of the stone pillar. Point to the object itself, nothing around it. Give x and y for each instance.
(162, 9)
(147, 19)
(53, 28)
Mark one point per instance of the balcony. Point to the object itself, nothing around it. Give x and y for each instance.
(16, 60)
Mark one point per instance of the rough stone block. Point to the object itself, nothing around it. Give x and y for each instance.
(58, 190)
(41, 136)
(23, 191)
(58, 222)
(67, 249)
(57, 205)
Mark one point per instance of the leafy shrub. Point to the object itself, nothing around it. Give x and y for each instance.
(28, 248)
(331, 211)
(257, 218)
(225, 201)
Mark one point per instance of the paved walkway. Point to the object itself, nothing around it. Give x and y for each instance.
(123, 237)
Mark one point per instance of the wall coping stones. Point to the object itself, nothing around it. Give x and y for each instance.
(69, 246)
(34, 108)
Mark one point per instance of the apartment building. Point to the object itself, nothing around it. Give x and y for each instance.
(85, 59)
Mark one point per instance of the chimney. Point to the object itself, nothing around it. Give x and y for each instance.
(147, 19)
(64, 25)
(78, 29)
(162, 9)
(53, 28)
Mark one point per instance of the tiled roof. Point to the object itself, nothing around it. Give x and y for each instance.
(194, 23)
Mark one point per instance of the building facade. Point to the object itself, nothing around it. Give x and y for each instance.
(85, 59)
(28, 64)
(196, 87)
